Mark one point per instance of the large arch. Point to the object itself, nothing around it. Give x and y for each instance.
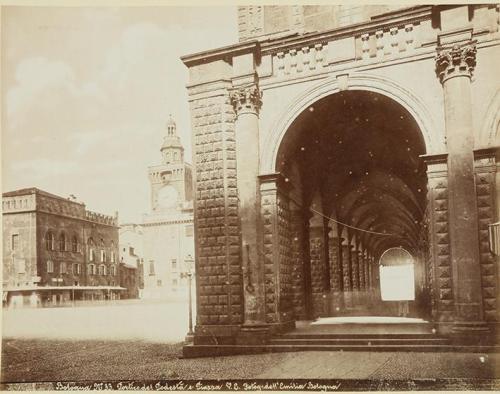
(353, 155)
(489, 133)
(434, 137)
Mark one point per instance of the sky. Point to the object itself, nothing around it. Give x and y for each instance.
(86, 93)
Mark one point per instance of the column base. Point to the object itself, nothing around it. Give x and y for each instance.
(253, 334)
(477, 333)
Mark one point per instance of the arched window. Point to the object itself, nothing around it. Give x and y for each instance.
(112, 253)
(101, 242)
(76, 269)
(91, 269)
(113, 270)
(102, 269)
(62, 242)
(62, 268)
(50, 266)
(50, 241)
(91, 245)
(103, 256)
(74, 244)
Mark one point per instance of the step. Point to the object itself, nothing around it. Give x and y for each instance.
(357, 336)
(191, 351)
(359, 341)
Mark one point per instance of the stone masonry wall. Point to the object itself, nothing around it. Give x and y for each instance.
(440, 247)
(219, 276)
(485, 192)
(297, 234)
(285, 305)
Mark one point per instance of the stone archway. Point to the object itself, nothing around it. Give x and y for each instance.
(433, 136)
(352, 185)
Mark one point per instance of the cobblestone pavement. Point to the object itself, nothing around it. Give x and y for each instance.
(26, 360)
(142, 341)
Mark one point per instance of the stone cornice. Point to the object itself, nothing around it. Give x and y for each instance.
(222, 53)
(397, 18)
(385, 21)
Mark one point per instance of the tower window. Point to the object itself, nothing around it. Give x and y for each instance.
(15, 242)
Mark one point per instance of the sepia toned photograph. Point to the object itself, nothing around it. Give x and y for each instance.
(267, 197)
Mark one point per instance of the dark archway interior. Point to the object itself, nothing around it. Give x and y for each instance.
(354, 157)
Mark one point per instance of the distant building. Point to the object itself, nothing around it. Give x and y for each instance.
(56, 252)
(131, 258)
(164, 241)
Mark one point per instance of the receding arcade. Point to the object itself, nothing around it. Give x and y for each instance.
(356, 186)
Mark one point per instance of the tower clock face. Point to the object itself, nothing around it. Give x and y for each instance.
(167, 197)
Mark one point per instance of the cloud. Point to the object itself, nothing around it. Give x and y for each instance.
(104, 123)
(46, 168)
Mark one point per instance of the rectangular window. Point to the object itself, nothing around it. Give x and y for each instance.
(131, 251)
(20, 266)
(174, 282)
(50, 266)
(15, 241)
(103, 256)
(158, 283)
(112, 256)
(62, 268)
(76, 269)
(189, 231)
(91, 254)
(174, 265)
(151, 268)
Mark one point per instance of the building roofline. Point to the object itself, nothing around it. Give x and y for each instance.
(35, 190)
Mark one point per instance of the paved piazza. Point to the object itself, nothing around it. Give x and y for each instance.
(137, 340)
(165, 322)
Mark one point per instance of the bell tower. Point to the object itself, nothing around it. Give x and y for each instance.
(170, 181)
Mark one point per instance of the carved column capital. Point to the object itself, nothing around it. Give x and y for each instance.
(247, 99)
(456, 60)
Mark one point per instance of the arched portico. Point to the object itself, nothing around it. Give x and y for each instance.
(433, 136)
(295, 203)
(353, 157)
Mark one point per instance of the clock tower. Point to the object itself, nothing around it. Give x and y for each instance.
(171, 181)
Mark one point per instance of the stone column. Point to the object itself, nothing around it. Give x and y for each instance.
(440, 264)
(454, 66)
(318, 267)
(346, 264)
(246, 102)
(300, 266)
(336, 277)
(277, 254)
(361, 263)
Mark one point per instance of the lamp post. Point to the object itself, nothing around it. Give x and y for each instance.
(189, 262)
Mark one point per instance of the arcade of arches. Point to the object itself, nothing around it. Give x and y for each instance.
(364, 161)
(355, 187)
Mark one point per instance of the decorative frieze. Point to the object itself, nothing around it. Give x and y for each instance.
(457, 60)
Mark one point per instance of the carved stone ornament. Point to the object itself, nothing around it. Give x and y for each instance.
(247, 99)
(456, 60)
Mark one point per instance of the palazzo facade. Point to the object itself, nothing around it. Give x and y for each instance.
(329, 135)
